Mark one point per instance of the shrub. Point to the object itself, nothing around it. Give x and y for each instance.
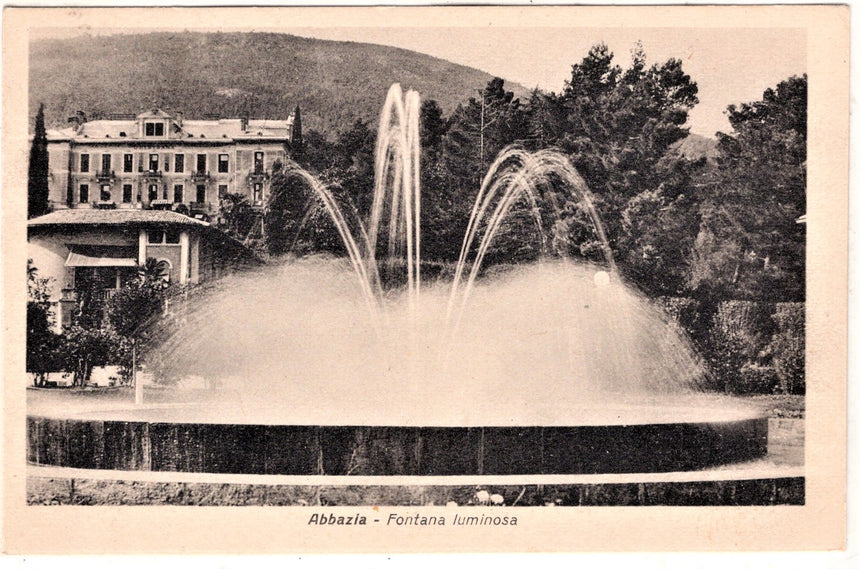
(682, 310)
(754, 378)
(739, 334)
(787, 348)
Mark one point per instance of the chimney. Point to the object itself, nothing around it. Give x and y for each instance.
(79, 118)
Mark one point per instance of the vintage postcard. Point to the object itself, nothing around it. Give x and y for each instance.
(424, 279)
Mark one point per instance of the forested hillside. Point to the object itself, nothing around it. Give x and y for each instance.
(259, 74)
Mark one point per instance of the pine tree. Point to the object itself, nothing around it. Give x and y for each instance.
(749, 243)
(37, 178)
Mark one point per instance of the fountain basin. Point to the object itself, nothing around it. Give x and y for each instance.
(167, 439)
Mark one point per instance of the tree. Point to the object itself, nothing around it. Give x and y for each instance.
(297, 142)
(433, 127)
(237, 214)
(42, 343)
(618, 127)
(133, 309)
(85, 348)
(287, 212)
(749, 243)
(136, 304)
(37, 178)
(480, 129)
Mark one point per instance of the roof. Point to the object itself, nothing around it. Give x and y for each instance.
(139, 217)
(101, 256)
(221, 129)
(114, 217)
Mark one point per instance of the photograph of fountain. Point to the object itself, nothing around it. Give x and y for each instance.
(544, 299)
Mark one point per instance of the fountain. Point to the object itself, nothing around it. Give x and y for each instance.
(553, 368)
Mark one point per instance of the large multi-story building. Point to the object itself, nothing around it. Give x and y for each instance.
(157, 160)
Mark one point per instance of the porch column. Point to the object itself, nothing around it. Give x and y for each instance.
(183, 257)
(141, 248)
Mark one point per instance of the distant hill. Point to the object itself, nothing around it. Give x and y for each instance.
(262, 75)
(696, 146)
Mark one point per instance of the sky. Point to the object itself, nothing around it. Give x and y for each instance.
(730, 66)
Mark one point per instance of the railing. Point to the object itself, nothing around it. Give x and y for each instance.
(152, 173)
(106, 293)
(102, 294)
(258, 175)
(106, 174)
(200, 176)
(200, 206)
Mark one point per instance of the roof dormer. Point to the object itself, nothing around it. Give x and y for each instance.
(157, 124)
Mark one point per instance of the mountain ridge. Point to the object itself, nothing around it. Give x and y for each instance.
(255, 74)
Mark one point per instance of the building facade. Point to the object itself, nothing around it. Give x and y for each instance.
(157, 160)
(102, 250)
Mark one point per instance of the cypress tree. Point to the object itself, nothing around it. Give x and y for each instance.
(37, 179)
(297, 141)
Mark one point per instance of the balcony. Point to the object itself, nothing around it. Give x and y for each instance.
(105, 294)
(202, 207)
(71, 295)
(160, 204)
(106, 175)
(200, 176)
(153, 174)
(258, 176)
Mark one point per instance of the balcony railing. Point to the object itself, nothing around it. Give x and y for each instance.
(200, 176)
(258, 175)
(70, 294)
(201, 207)
(105, 294)
(153, 173)
(106, 175)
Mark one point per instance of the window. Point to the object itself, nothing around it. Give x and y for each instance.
(258, 162)
(106, 163)
(222, 191)
(85, 162)
(126, 193)
(258, 192)
(154, 129)
(201, 193)
(159, 236)
(223, 164)
(164, 193)
(179, 163)
(84, 196)
(177, 193)
(153, 162)
(153, 192)
(201, 163)
(105, 193)
(127, 162)
(167, 163)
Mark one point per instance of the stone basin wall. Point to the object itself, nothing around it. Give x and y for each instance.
(360, 450)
